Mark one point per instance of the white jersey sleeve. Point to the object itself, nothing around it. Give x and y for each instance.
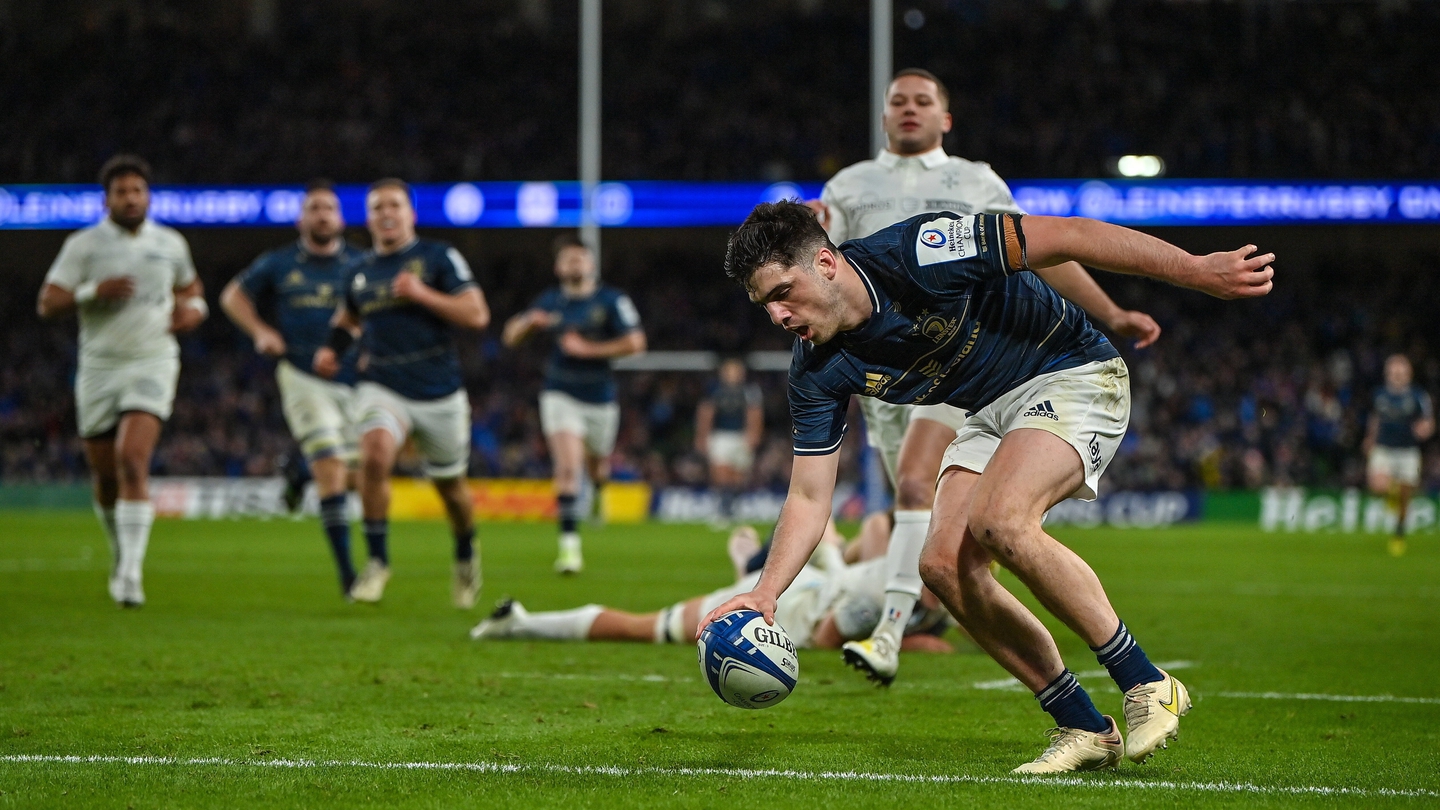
(184, 263)
(68, 270)
(838, 227)
(1001, 200)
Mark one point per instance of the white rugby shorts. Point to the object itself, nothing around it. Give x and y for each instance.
(596, 423)
(1087, 406)
(885, 424)
(728, 448)
(103, 393)
(441, 426)
(320, 413)
(1400, 465)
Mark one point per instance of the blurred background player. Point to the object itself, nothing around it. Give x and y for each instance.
(910, 176)
(833, 599)
(402, 299)
(133, 283)
(1401, 418)
(579, 415)
(301, 285)
(729, 424)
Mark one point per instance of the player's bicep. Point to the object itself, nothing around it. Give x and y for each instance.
(455, 274)
(185, 274)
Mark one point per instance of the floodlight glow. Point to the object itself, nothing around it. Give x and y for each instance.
(1140, 166)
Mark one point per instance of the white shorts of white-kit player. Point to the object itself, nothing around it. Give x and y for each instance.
(728, 448)
(798, 610)
(885, 424)
(320, 413)
(103, 392)
(1087, 406)
(596, 423)
(441, 427)
(1400, 465)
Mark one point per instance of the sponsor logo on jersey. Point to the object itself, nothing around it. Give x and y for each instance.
(415, 266)
(1043, 410)
(296, 278)
(875, 382)
(946, 240)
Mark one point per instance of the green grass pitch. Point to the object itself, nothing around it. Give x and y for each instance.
(247, 682)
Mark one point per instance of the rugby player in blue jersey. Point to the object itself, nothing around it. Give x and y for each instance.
(300, 285)
(942, 308)
(729, 424)
(402, 299)
(593, 324)
(1401, 417)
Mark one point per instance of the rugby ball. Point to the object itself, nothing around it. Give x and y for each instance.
(747, 662)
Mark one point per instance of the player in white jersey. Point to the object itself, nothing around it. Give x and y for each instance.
(134, 286)
(910, 176)
(831, 600)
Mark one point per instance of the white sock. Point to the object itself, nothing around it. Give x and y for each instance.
(570, 542)
(558, 625)
(132, 531)
(107, 522)
(902, 571)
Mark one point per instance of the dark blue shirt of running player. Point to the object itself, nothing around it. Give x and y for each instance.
(1396, 415)
(298, 291)
(603, 315)
(406, 347)
(732, 404)
(952, 321)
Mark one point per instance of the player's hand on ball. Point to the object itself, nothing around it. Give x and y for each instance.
(1137, 326)
(326, 364)
(118, 288)
(269, 343)
(754, 600)
(1234, 274)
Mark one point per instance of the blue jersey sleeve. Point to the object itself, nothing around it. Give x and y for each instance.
(259, 278)
(1427, 408)
(452, 273)
(817, 417)
(624, 317)
(948, 251)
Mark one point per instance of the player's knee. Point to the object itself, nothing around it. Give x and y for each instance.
(938, 571)
(132, 467)
(914, 491)
(1000, 527)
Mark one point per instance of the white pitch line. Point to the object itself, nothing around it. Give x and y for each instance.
(1334, 698)
(743, 773)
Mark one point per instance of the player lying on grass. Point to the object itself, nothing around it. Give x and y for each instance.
(943, 308)
(831, 602)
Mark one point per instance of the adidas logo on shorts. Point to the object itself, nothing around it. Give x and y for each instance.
(1042, 409)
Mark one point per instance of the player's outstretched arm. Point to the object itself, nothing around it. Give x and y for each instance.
(1048, 241)
(802, 523)
(241, 311)
(575, 345)
(1077, 285)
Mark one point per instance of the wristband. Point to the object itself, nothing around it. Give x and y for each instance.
(198, 304)
(85, 293)
(339, 340)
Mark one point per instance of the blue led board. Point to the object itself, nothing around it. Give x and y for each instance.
(655, 204)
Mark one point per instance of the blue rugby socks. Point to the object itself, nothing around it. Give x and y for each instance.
(569, 509)
(1126, 662)
(337, 531)
(377, 533)
(1066, 701)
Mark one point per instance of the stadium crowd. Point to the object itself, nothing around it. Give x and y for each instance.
(269, 90)
(1225, 399)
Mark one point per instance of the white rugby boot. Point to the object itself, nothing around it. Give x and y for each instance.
(370, 586)
(1073, 750)
(1152, 715)
(501, 622)
(466, 585)
(878, 657)
(570, 561)
(132, 593)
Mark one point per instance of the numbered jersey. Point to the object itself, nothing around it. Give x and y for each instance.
(115, 333)
(406, 347)
(954, 320)
(603, 315)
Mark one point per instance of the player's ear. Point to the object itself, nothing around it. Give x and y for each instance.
(826, 264)
(947, 122)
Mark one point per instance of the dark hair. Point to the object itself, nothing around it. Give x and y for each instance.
(320, 184)
(390, 182)
(569, 239)
(121, 165)
(784, 233)
(922, 73)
